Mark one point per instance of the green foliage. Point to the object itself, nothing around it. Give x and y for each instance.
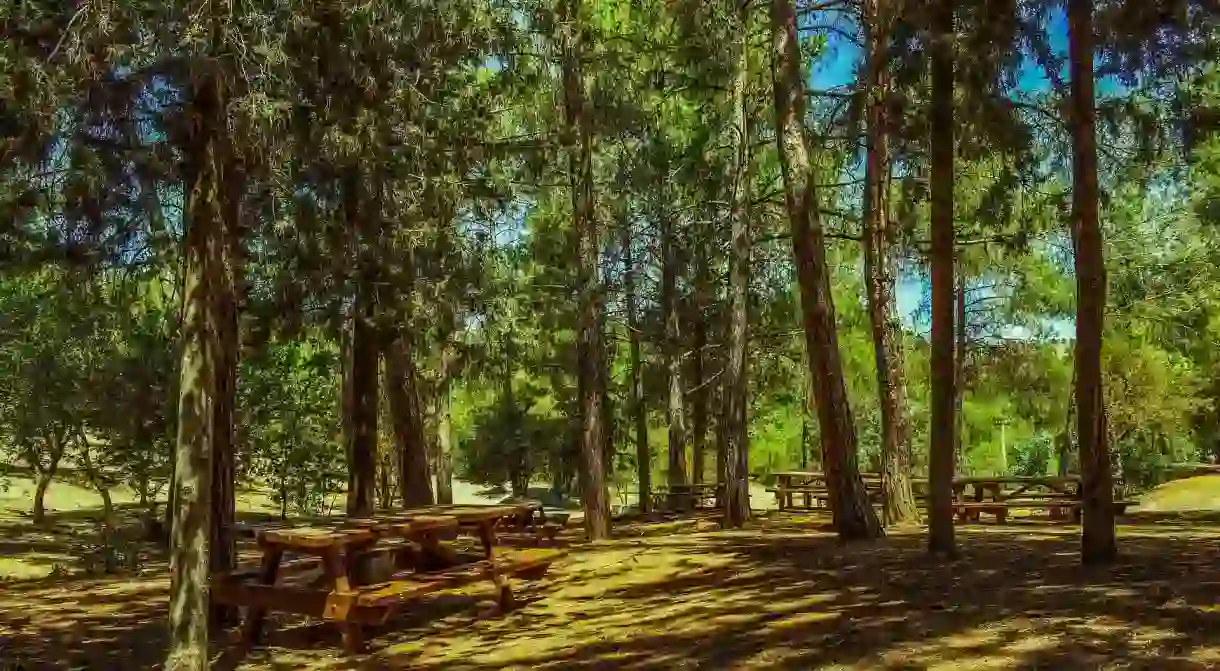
(289, 413)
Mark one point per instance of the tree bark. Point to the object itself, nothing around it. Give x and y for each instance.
(444, 430)
(226, 299)
(959, 378)
(941, 450)
(411, 450)
(46, 473)
(99, 482)
(737, 485)
(580, 173)
(192, 487)
(1097, 542)
(639, 412)
(854, 517)
(880, 265)
(699, 389)
(675, 401)
(362, 363)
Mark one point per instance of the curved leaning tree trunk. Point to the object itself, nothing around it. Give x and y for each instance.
(1097, 542)
(943, 429)
(736, 459)
(591, 361)
(879, 271)
(854, 517)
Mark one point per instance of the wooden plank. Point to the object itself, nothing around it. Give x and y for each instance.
(466, 514)
(313, 539)
(271, 597)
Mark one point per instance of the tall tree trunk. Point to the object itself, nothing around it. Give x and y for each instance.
(698, 383)
(1065, 441)
(580, 172)
(639, 413)
(941, 450)
(411, 448)
(737, 484)
(880, 265)
(1097, 543)
(226, 299)
(603, 379)
(853, 515)
(675, 401)
(192, 487)
(959, 377)
(444, 429)
(362, 364)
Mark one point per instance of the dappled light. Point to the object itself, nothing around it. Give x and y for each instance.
(777, 594)
(610, 334)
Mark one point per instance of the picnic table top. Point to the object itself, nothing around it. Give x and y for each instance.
(405, 523)
(819, 474)
(1017, 479)
(694, 486)
(352, 531)
(315, 537)
(469, 514)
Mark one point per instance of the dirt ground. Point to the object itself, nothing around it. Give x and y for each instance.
(781, 594)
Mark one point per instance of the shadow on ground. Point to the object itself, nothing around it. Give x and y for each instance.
(783, 594)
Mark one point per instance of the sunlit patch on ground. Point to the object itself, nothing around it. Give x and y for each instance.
(782, 594)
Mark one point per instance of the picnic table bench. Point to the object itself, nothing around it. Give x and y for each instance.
(347, 593)
(997, 495)
(812, 487)
(994, 495)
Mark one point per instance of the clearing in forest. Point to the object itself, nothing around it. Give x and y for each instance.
(781, 594)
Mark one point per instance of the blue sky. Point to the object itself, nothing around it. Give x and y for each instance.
(837, 67)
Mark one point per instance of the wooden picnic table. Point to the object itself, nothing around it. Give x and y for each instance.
(342, 595)
(812, 486)
(694, 494)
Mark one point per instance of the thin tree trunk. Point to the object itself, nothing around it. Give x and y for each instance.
(40, 495)
(192, 487)
(699, 394)
(675, 401)
(959, 377)
(737, 486)
(1097, 542)
(854, 517)
(941, 451)
(361, 366)
(879, 271)
(603, 379)
(95, 478)
(411, 450)
(444, 431)
(1065, 441)
(639, 413)
(580, 169)
(55, 453)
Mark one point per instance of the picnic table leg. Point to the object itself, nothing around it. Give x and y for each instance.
(268, 572)
(435, 554)
(487, 535)
(340, 602)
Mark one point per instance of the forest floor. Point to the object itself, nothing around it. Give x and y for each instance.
(780, 594)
